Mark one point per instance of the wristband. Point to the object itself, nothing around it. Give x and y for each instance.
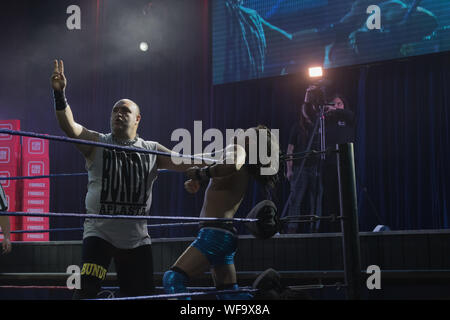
(208, 172)
(198, 175)
(60, 99)
(204, 174)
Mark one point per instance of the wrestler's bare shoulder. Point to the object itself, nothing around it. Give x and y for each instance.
(240, 177)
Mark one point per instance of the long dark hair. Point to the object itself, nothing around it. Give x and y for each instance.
(342, 97)
(308, 113)
(267, 181)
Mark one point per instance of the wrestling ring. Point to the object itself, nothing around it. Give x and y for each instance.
(348, 279)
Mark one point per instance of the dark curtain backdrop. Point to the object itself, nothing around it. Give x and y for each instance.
(170, 83)
(402, 146)
(403, 143)
(402, 136)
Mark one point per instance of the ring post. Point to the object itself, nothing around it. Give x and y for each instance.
(349, 222)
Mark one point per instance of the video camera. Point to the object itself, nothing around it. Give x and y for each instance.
(318, 95)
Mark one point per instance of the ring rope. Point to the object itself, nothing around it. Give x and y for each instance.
(57, 175)
(303, 154)
(101, 144)
(33, 287)
(197, 290)
(177, 224)
(45, 176)
(101, 216)
(331, 217)
(182, 295)
(45, 230)
(81, 229)
(287, 157)
(102, 288)
(337, 285)
(295, 219)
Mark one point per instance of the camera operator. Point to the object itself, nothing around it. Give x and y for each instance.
(313, 182)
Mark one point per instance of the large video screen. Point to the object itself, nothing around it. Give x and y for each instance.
(263, 38)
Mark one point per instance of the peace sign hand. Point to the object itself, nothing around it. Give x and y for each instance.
(58, 79)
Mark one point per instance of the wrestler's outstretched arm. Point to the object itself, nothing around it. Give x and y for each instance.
(234, 160)
(64, 114)
(165, 162)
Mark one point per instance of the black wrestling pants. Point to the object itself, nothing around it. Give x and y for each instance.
(134, 269)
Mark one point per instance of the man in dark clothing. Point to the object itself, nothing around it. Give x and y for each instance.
(314, 182)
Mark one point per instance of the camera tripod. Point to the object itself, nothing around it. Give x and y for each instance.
(319, 129)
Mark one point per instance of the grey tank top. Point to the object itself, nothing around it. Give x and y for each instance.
(120, 183)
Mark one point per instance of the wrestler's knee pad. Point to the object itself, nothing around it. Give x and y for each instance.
(231, 295)
(174, 281)
(269, 285)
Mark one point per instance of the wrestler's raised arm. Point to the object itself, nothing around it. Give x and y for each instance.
(64, 113)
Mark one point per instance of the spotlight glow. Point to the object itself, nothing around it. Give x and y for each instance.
(143, 46)
(315, 72)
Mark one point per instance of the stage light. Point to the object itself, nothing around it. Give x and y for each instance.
(315, 72)
(143, 46)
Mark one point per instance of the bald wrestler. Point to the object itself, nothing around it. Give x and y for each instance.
(119, 183)
(216, 243)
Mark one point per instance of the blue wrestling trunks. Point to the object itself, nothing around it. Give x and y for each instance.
(218, 244)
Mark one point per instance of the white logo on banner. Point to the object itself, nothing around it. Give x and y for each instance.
(374, 281)
(74, 280)
(374, 20)
(74, 20)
